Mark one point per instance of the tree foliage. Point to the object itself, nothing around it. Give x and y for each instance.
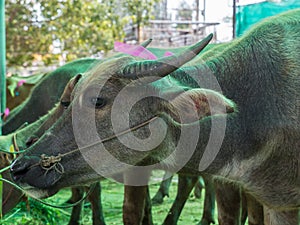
(184, 13)
(23, 37)
(140, 12)
(67, 28)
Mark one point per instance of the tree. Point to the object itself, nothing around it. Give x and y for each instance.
(68, 28)
(83, 28)
(185, 11)
(23, 36)
(140, 12)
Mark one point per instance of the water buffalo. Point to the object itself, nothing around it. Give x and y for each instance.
(180, 199)
(12, 195)
(78, 192)
(18, 89)
(260, 150)
(44, 95)
(188, 52)
(229, 203)
(42, 98)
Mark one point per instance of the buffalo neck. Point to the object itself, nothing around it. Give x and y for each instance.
(245, 74)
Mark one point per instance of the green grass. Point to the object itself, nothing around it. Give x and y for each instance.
(35, 213)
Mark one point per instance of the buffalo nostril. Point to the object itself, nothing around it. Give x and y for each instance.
(18, 169)
(31, 140)
(21, 166)
(17, 166)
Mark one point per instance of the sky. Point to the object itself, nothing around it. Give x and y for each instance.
(215, 9)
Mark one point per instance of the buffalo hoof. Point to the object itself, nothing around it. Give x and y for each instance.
(158, 198)
(206, 221)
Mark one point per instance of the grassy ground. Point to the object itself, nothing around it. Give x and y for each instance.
(112, 198)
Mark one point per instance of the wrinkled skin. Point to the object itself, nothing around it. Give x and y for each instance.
(263, 134)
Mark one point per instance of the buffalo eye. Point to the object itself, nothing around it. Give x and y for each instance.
(98, 102)
(65, 104)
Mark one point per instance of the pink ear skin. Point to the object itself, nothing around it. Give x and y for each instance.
(196, 104)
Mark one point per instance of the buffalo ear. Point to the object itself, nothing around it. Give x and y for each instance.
(66, 95)
(195, 104)
(74, 81)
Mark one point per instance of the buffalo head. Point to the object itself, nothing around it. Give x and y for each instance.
(124, 114)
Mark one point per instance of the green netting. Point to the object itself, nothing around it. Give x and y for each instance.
(248, 15)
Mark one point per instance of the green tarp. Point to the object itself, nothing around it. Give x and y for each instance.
(248, 15)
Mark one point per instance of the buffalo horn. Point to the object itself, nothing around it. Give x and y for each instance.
(166, 65)
(146, 43)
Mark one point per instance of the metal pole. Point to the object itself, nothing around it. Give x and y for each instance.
(234, 20)
(2, 61)
(197, 10)
(204, 10)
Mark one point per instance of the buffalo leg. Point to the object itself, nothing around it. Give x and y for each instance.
(95, 199)
(147, 219)
(228, 199)
(134, 204)
(135, 197)
(162, 191)
(209, 203)
(77, 194)
(185, 186)
(255, 211)
(199, 186)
